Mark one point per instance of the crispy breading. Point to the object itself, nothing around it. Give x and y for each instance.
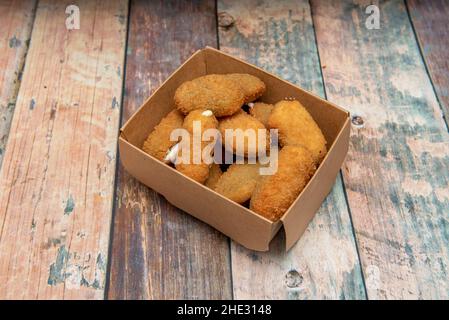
(215, 92)
(242, 120)
(252, 86)
(206, 118)
(297, 127)
(238, 182)
(274, 194)
(158, 142)
(261, 111)
(214, 175)
(197, 171)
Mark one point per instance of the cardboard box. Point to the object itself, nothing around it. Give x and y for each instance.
(239, 223)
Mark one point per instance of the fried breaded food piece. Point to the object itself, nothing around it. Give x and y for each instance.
(297, 127)
(158, 142)
(242, 120)
(206, 118)
(215, 92)
(261, 111)
(238, 182)
(197, 171)
(252, 86)
(274, 194)
(214, 175)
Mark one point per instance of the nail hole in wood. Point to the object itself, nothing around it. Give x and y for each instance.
(225, 20)
(293, 279)
(357, 121)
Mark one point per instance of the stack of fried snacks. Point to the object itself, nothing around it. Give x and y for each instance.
(219, 101)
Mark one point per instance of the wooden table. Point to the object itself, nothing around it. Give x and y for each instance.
(74, 224)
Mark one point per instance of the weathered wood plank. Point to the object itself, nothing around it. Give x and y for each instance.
(158, 251)
(429, 19)
(16, 20)
(397, 171)
(56, 182)
(279, 37)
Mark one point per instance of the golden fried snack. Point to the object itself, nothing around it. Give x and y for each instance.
(207, 118)
(238, 182)
(274, 194)
(197, 171)
(252, 86)
(261, 111)
(297, 127)
(214, 175)
(218, 93)
(242, 120)
(158, 142)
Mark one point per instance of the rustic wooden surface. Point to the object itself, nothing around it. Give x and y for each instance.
(397, 171)
(279, 37)
(381, 234)
(57, 177)
(430, 19)
(158, 251)
(16, 21)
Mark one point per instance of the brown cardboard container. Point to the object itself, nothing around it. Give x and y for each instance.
(239, 223)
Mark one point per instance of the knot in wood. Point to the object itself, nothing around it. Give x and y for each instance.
(293, 279)
(225, 20)
(357, 120)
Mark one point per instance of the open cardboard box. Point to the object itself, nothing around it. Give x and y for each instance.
(234, 220)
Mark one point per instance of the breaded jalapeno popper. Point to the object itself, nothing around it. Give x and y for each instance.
(215, 92)
(250, 139)
(158, 142)
(252, 87)
(197, 170)
(274, 194)
(238, 182)
(297, 127)
(214, 175)
(261, 111)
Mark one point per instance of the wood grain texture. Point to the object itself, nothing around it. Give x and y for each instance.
(16, 20)
(56, 182)
(160, 252)
(278, 36)
(397, 171)
(430, 19)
